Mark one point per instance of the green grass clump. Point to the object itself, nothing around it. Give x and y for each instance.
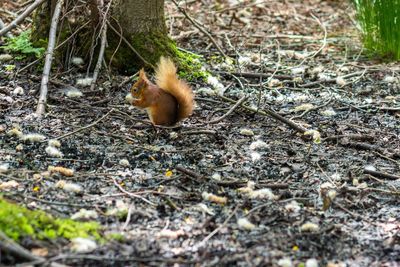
(22, 44)
(380, 25)
(18, 222)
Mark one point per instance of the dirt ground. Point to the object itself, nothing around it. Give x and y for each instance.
(331, 194)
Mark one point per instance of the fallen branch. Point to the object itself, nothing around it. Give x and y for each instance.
(41, 107)
(271, 113)
(2, 27)
(333, 80)
(9, 245)
(235, 183)
(21, 17)
(194, 132)
(238, 103)
(209, 236)
(381, 174)
(259, 75)
(190, 173)
(85, 127)
(131, 194)
(360, 137)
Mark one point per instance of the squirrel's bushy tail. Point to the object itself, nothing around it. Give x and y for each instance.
(167, 79)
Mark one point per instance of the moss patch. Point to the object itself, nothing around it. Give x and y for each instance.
(115, 237)
(151, 46)
(17, 222)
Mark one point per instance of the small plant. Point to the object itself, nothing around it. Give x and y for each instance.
(22, 44)
(9, 68)
(380, 26)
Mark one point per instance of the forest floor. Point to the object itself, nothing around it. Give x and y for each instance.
(285, 198)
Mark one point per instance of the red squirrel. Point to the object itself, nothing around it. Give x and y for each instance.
(168, 101)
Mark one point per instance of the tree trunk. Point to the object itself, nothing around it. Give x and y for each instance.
(141, 23)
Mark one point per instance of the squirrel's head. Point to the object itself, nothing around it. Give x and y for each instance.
(140, 85)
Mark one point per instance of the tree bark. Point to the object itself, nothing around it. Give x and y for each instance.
(136, 16)
(141, 23)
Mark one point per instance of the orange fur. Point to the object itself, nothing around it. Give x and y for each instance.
(169, 100)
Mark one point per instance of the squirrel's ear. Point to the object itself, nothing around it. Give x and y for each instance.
(142, 75)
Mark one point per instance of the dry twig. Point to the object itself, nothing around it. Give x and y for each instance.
(198, 26)
(41, 106)
(7, 244)
(238, 103)
(382, 174)
(102, 46)
(85, 127)
(21, 17)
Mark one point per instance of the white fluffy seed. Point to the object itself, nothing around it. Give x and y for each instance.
(216, 177)
(54, 143)
(293, 207)
(245, 224)
(4, 167)
(18, 91)
(53, 152)
(274, 83)
(299, 70)
(309, 227)
(14, 132)
(328, 112)
(317, 70)
(124, 163)
(5, 57)
(304, 107)
(246, 132)
(73, 93)
(83, 245)
(341, 81)
(84, 81)
(215, 83)
(85, 214)
(255, 156)
(33, 137)
(311, 263)
(389, 79)
(258, 145)
(264, 193)
(69, 187)
(203, 208)
(9, 185)
(170, 234)
(369, 168)
(323, 77)
(285, 262)
(77, 61)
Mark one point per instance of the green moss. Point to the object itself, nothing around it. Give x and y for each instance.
(190, 65)
(115, 236)
(151, 46)
(17, 222)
